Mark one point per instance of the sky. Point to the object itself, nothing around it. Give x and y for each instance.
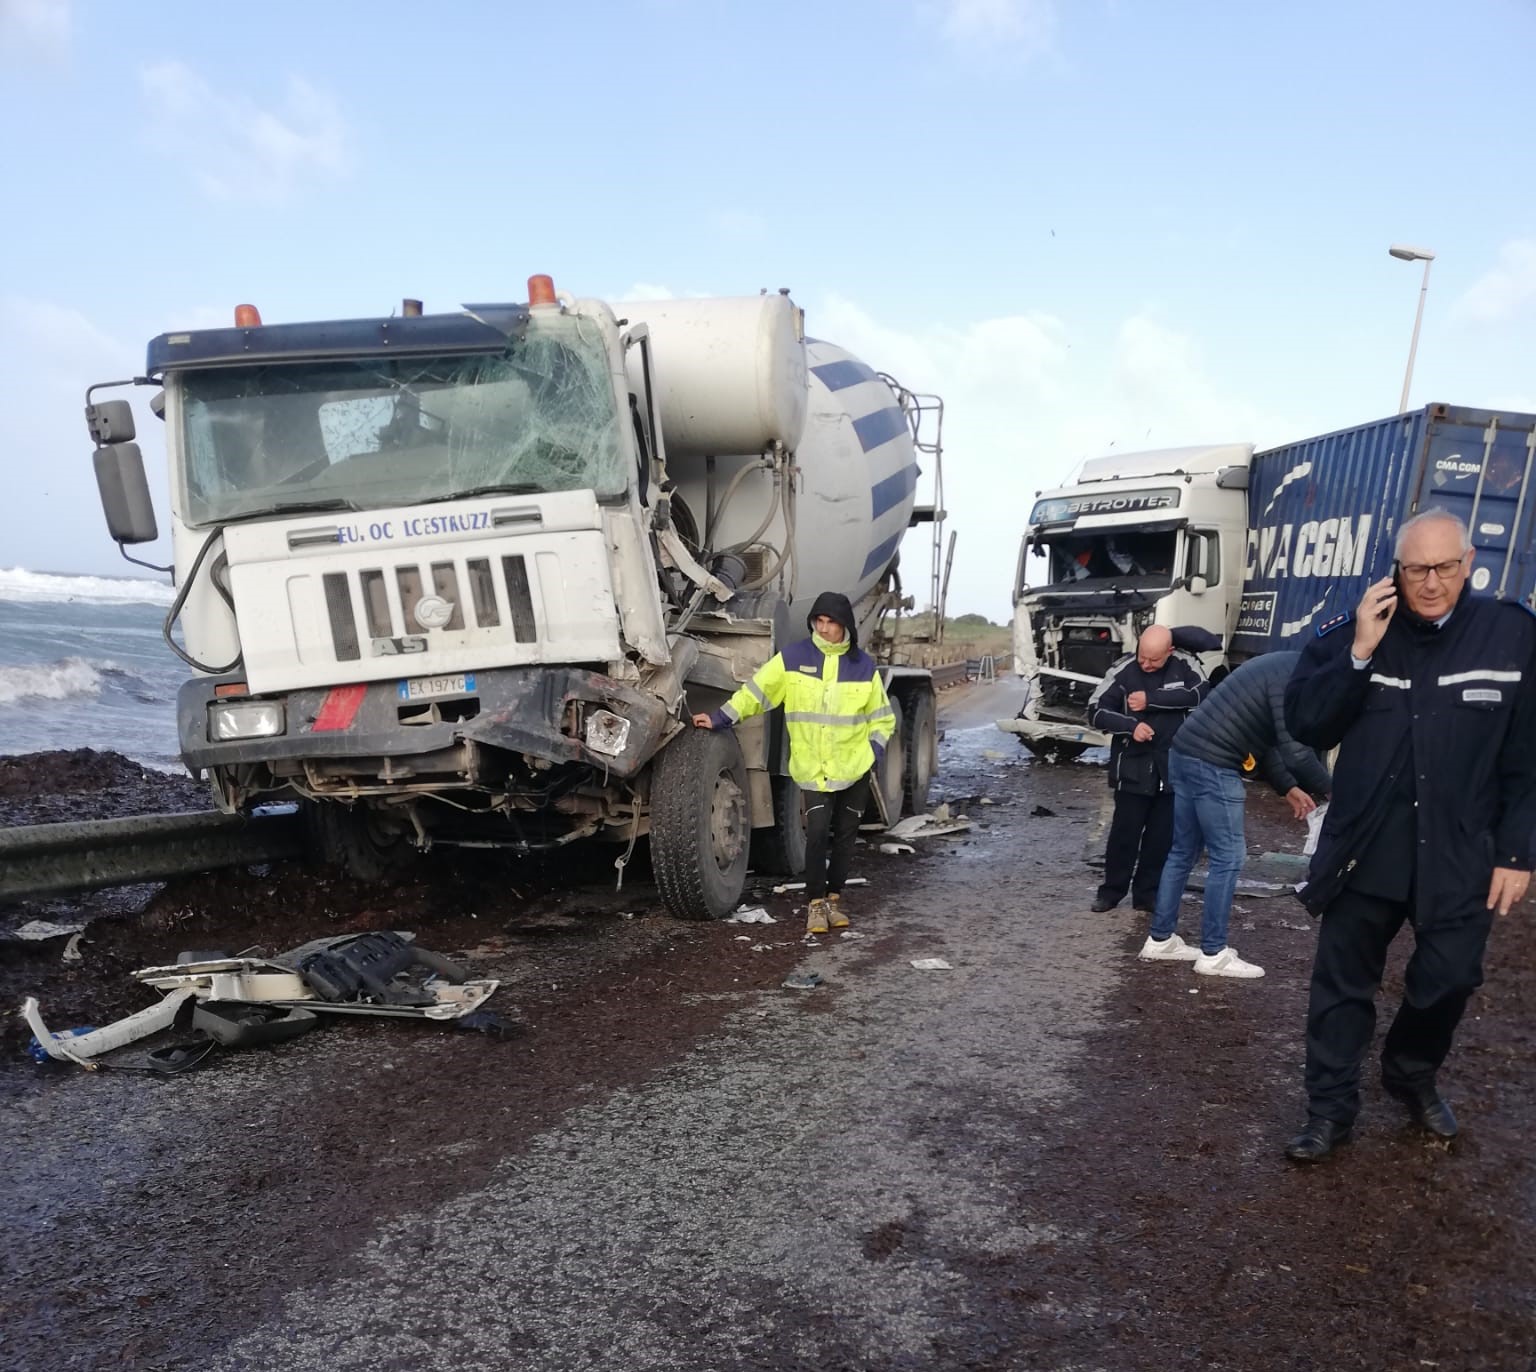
(1090, 225)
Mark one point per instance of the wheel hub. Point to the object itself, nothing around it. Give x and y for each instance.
(727, 821)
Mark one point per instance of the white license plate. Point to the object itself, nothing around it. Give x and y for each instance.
(430, 687)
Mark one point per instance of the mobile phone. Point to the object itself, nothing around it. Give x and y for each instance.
(1383, 614)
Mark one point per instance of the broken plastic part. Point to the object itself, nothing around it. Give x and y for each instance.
(236, 1024)
(79, 1048)
(750, 915)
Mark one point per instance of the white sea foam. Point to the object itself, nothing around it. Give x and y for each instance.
(17, 583)
(73, 676)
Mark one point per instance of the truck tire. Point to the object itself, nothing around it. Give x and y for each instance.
(890, 774)
(920, 743)
(780, 851)
(352, 839)
(701, 824)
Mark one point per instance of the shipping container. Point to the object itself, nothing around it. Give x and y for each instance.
(1323, 514)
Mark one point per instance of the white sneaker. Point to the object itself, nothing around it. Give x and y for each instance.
(1226, 964)
(1170, 949)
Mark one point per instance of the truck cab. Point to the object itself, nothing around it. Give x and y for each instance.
(1147, 538)
(462, 578)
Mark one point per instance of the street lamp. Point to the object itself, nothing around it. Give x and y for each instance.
(1407, 254)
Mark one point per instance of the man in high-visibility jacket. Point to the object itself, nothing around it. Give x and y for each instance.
(838, 721)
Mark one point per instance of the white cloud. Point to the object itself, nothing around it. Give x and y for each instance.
(1504, 291)
(1024, 28)
(238, 149)
(1026, 398)
(31, 27)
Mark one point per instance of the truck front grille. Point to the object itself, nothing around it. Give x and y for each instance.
(383, 602)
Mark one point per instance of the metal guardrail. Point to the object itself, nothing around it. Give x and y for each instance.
(971, 669)
(45, 859)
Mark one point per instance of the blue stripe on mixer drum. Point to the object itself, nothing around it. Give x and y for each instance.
(838, 376)
(879, 427)
(881, 554)
(886, 494)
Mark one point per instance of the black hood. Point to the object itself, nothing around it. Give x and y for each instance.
(838, 607)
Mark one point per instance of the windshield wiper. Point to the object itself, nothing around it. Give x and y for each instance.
(491, 488)
(295, 507)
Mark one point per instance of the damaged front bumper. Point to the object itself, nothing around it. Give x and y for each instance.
(546, 713)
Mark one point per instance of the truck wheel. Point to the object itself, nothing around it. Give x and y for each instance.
(356, 840)
(780, 851)
(1054, 749)
(700, 824)
(920, 742)
(890, 775)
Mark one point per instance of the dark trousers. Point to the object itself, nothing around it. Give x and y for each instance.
(831, 825)
(1352, 941)
(1140, 835)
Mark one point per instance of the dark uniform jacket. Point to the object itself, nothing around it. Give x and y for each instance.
(1436, 777)
(1245, 715)
(1172, 692)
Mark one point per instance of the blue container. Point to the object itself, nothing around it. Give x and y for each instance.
(38, 1053)
(1323, 513)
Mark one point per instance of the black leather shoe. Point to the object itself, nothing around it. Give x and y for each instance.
(1317, 1140)
(1427, 1110)
(1102, 903)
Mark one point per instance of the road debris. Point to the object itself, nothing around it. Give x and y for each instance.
(895, 849)
(932, 965)
(789, 886)
(237, 1002)
(936, 823)
(35, 930)
(754, 914)
(802, 981)
(79, 1048)
(1042, 812)
(72, 951)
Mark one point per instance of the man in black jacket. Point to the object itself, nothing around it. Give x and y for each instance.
(1244, 716)
(1432, 704)
(1141, 702)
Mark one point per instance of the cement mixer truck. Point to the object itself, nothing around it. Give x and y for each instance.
(462, 578)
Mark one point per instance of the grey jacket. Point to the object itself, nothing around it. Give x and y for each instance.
(1246, 714)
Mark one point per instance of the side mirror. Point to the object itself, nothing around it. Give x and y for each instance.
(110, 422)
(124, 491)
(1198, 585)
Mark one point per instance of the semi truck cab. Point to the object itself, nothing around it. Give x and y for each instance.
(1153, 538)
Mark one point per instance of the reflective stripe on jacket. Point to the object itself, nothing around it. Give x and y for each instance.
(835, 709)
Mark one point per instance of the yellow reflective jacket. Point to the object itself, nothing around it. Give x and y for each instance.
(835, 710)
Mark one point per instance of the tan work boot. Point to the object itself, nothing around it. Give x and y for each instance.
(835, 916)
(816, 916)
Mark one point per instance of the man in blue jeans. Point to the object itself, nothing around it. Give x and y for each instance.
(1243, 717)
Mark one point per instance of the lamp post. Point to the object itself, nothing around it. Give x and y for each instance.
(1407, 254)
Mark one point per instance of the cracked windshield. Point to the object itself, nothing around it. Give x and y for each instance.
(396, 431)
(1122, 555)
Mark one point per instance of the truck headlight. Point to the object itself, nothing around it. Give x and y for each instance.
(607, 732)
(235, 719)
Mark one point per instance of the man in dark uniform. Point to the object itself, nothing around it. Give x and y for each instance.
(1432, 704)
(1141, 702)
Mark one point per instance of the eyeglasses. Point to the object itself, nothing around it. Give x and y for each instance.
(1419, 571)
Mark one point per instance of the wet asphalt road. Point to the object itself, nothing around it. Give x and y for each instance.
(751, 1205)
(1046, 1156)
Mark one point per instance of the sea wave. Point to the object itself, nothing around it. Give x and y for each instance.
(17, 583)
(73, 676)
